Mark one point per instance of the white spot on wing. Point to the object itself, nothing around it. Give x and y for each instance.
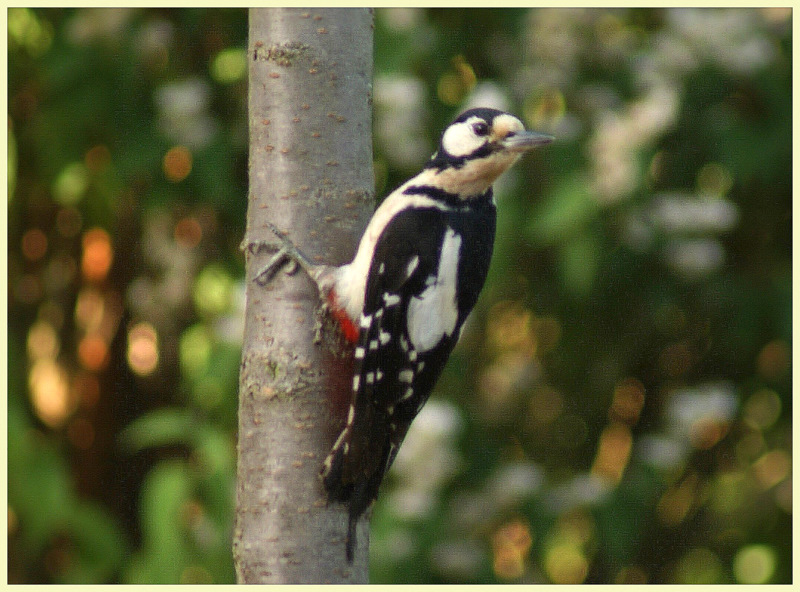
(340, 439)
(391, 299)
(406, 376)
(359, 353)
(433, 314)
(412, 266)
(356, 382)
(366, 321)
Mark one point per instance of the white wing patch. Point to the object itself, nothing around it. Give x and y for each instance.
(433, 314)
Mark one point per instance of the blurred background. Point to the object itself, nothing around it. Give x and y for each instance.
(619, 408)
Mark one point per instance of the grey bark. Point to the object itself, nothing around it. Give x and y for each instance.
(311, 175)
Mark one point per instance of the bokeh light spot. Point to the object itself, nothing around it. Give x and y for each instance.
(613, 452)
(699, 566)
(754, 564)
(71, 184)
(509, 328)
(26, 30)
(188, 232)
(783, 496)
(89, 309)
(729, 492)
(177, 163)
(143, 349)
(772, 468)
(627, 402)
(93, 352)
(714, 180)
(97, 158)
(34, 244)
(763, 408)
(545, 110)
(98, 254)
(213, 289)
(49, 391)
(43, 341)
(706, 432)
(677, 501)
(565, 563)
(229, 66)
(511, 544)
(774, 360)
(454, 85)
(194, 350)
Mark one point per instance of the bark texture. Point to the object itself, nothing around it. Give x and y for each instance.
(310, 175)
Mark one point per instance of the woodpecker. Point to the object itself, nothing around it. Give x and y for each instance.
(403, 299)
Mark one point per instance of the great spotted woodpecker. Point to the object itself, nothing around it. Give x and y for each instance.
(403, 300)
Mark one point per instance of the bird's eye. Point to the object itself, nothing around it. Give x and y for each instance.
(480, 128)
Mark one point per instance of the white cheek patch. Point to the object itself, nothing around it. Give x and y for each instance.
(433, 314)
(460, 140)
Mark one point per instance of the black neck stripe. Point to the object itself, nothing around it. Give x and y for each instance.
(443, 160)
(439, 194)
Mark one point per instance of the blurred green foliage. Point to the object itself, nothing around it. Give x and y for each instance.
(619, 409)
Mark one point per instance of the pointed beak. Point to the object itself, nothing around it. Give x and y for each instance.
(525, 140)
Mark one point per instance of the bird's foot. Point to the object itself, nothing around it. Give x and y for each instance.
(284, 253)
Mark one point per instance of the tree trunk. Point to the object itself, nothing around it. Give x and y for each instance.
(311, 175)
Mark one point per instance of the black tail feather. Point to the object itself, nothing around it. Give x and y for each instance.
(358, 495)
(350, 543)
(332, 480)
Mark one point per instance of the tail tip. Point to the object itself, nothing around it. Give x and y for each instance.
(350, 543)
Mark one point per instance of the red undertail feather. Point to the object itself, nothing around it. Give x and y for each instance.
(346, 324)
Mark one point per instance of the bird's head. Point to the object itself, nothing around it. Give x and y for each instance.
(477, 148)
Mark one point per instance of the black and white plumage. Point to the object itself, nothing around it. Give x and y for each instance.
(403, 300)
